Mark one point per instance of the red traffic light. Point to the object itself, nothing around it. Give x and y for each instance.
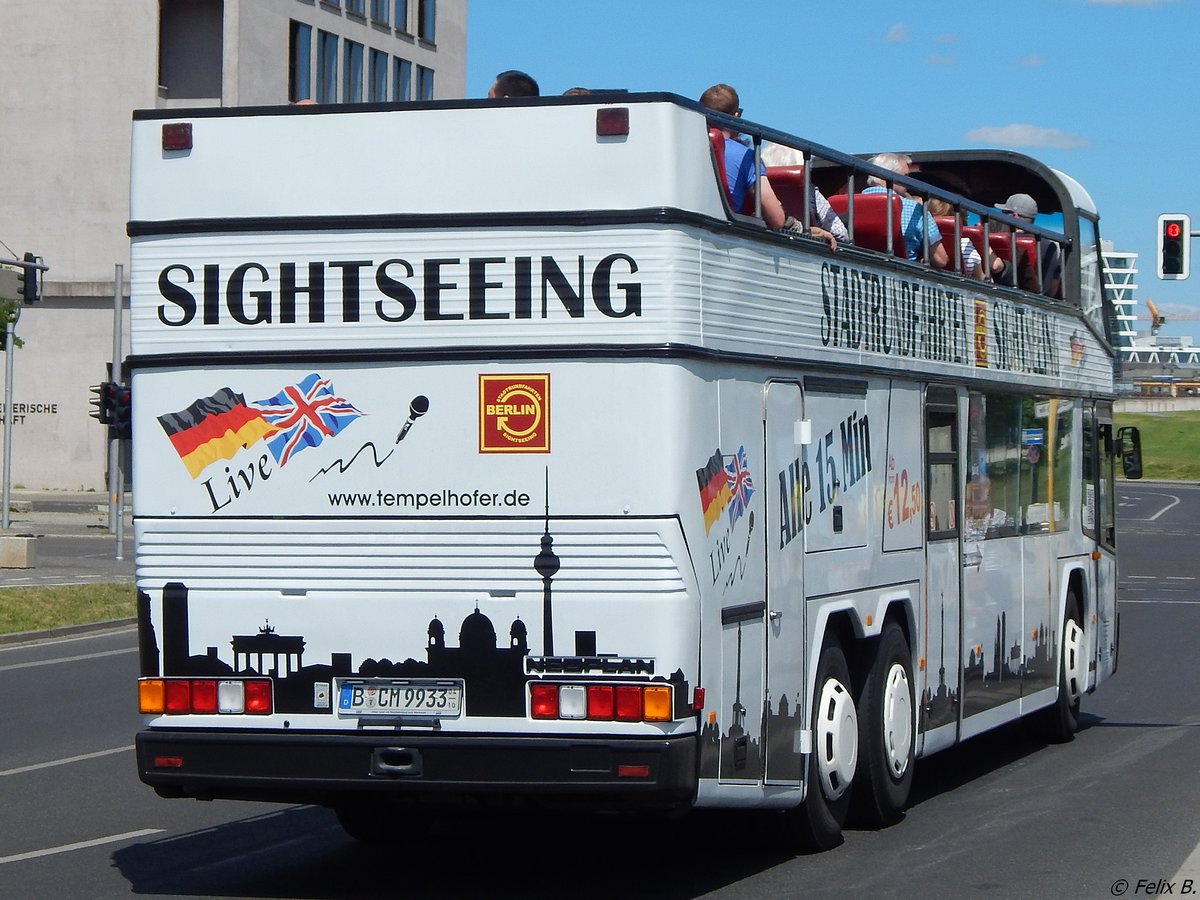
(1174, 245)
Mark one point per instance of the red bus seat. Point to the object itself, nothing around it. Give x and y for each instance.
(1001, 244)
(871, 221)
(788, 184)
(716, 137)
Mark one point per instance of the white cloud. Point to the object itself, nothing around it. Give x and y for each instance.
(946, 39)
(941, 59)
(1130, 2)
(1018, 135)
(898, 33)
(1029, 62)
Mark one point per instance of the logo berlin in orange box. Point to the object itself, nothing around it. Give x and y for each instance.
(514, 413)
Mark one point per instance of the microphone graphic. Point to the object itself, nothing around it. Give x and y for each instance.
(417, 408)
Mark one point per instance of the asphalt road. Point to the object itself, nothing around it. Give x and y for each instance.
(999, 816)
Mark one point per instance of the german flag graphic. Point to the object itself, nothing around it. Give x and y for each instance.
(214, 428)
(714, 490)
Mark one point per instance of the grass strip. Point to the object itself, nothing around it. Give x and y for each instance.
(1170, 443)
(39, 608)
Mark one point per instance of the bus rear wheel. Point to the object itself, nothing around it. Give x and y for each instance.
(818, 821)
(1058, 722)
(885, 707)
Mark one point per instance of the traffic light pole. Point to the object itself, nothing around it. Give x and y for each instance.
(8, 416)
(116, 476)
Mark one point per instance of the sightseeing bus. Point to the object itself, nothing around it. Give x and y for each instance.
(465, 476)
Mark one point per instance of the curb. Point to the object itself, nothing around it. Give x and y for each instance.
(29, 637)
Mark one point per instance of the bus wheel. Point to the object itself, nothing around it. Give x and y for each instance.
(1059, 721)
(818, 820)
(885, 707)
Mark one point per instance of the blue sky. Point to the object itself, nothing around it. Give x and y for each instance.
(1101, 89)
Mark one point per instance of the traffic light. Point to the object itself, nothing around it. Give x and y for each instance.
(122, 412)
(1174, 246)
(102, 402)
(27, 280)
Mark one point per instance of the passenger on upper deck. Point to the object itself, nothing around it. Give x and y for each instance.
(513, 84)
(914, 221)
(1022, 206)
(822, 214)
(740, 175)
(972, 262)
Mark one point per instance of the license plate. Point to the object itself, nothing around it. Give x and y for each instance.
(416, 698)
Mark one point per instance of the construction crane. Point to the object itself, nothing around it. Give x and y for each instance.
(1158, 320)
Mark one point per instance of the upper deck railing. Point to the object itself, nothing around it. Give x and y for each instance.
(854, 173)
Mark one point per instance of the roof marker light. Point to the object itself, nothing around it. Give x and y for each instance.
(177, 136)
(612, 121)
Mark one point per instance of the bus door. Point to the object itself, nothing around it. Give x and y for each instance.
(1100, 523)
(943, 569)
(786, 432)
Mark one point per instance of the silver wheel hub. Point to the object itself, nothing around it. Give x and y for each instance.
(836, 738)
(897, 720)
(1072, 660)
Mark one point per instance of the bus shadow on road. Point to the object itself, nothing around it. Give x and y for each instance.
(978, 757)
(301, 852)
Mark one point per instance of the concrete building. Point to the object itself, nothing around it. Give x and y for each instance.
(70, 77)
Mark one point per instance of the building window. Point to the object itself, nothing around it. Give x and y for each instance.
(402, 16)
(426, 26)
(403, 84)
(379, 12)
(299, 61)
(424, 83)
(327, 47)
(377, 92)
(356, 8)
(352, 73)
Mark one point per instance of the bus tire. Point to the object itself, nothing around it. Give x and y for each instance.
(886, 735)
(818, 821)
(1058, 722)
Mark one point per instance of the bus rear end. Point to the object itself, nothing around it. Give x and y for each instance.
(409, 465)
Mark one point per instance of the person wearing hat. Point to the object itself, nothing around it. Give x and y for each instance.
(1024, 207)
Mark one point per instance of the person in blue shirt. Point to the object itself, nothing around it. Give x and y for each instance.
(742, 180)
(915, 222)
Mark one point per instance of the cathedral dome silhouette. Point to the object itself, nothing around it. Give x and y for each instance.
(477, 633)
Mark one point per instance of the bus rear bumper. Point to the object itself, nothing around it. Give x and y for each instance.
(327, 768)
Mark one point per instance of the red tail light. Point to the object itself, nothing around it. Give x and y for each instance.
(604, 702)
(629, 704)
(258, 697)
(204, 696)
(600, 701)
(544, 701)
(179, 697)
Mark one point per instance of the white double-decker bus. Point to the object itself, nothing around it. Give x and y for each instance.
(509, 464)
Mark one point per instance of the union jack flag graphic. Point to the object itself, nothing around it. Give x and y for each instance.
(303, 415)
(740, 485)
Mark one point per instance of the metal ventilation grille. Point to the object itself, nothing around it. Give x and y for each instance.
(363, 556)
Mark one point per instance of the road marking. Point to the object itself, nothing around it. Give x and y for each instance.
(92, 635)
(62, 762)
(80, 845)
(65, 659)
(1175, 502)
(1190, 867)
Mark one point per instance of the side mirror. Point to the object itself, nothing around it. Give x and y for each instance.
(1129, 446)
